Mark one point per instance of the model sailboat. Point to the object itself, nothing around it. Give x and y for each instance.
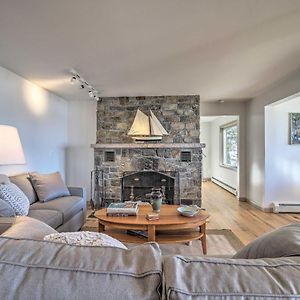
(146, 128)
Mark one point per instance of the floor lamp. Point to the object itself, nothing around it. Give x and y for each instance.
(11, 151)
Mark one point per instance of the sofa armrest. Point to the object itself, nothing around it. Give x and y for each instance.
(203, 278)
(5, 223)
(77, 191)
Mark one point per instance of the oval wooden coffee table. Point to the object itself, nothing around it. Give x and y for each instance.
(170, 228)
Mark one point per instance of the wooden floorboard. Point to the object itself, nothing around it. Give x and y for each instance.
(246, 221)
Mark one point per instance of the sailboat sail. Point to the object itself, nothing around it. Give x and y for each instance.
(157, 124)
(146, 127)
(140, 124)
(154, 129)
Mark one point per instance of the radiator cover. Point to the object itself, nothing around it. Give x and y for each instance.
(286, 207)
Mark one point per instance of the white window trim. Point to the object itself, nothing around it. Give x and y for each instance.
(231, 124)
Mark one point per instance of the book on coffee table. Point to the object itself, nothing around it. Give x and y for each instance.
(123, 209)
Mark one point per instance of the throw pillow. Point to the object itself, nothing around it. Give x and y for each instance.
(23, 182)
(282, 242)
(85, 238)
(49, 186)
(6, 210)
(28, 228)
(12, 195)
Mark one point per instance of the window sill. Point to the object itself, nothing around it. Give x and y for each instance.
(228, 167)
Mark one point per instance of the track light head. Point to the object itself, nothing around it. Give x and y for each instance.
(82, 86)
(72, 80)
(91, 94)
(97, 98)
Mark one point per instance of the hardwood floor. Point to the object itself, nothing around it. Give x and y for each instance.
(246, 221)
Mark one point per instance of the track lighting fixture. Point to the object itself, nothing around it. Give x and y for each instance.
(92, 92)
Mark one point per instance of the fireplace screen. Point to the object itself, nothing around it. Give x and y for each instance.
(138, 185)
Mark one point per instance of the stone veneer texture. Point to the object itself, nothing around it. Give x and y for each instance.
(179, 115)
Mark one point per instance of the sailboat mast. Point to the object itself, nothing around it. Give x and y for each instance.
(150, 127)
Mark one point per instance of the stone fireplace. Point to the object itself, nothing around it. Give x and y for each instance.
(128, 170)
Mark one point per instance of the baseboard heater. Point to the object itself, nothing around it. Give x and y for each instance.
(286, 207)
(224, 185)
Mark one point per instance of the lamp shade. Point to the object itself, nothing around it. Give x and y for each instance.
(11, 151)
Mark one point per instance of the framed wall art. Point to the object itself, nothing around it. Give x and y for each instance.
(294, 128)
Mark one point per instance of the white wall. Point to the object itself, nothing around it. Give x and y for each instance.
(226, 175)
(82, 125)
(282, 163)
(205, 137)
(230, 108)
(256, 135)
(41, 118)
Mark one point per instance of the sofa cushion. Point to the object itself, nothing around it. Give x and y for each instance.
(208, 278)
(28, 228)
(76, 272)
(4, 178)
(68, 206)
(15, 198)
(84, 238)
(5, 223)
(6, 210)
(24, 183)
(49, 186)
(284, 241)
(51, 217)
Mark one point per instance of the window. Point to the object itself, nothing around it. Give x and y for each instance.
(229, 137)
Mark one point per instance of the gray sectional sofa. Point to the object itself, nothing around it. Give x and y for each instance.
(63, 213)
(31, 269)
(36, 269)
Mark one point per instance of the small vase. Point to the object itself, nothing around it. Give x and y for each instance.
(156, 199)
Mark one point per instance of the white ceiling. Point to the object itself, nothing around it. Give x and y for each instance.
(220, 49)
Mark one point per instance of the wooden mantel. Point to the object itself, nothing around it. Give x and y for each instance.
(149, 146)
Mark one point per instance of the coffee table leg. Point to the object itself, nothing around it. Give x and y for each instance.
(151, 233)
(203, 239)
(101, 227)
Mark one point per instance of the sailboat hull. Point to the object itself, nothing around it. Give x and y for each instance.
(147, 138)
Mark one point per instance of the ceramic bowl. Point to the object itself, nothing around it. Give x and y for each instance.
(188, 211)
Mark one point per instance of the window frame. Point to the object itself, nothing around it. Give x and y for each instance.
(222, 163)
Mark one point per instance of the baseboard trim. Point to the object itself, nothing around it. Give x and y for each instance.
(224, 185)
(263, 209)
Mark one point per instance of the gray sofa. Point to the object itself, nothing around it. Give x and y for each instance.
(31, 269)
(36, 269)
(63, 214)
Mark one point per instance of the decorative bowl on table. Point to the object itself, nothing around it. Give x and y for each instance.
(188, 211)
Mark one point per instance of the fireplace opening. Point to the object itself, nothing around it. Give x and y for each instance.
(137, 186)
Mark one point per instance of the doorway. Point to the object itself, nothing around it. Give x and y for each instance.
(220, 162)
